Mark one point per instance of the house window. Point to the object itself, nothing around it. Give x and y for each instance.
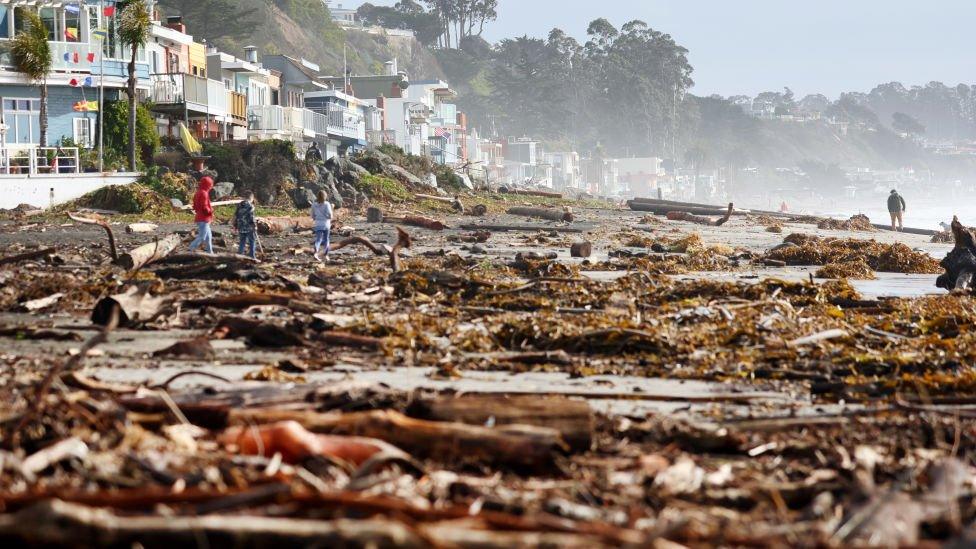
(50, 18)
(83, 132)
(4, 22)
(72, 23)
(23, 118)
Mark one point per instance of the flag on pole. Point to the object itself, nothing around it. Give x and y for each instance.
(71, 34)
(91, 57)
(86, 106)
(72, 8)
(75, 83)
(109, 9)
(100, 34)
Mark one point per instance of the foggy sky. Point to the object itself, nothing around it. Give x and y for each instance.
(745, 47)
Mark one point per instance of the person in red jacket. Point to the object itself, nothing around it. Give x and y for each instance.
(204, 215)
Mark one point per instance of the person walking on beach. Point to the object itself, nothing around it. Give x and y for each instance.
(322, 215)
(896, 207)
(204, 215)
(246, 225)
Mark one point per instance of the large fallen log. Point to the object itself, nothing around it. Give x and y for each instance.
(57, 523)
(543, 194)
(665, 209)
(551, 214)
(701, 220)
(573, 419)
(525, 228)
(149, 253)
(27, 256)
(517, 446)
(277, 225)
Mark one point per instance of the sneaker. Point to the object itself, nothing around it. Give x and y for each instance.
(317, 256)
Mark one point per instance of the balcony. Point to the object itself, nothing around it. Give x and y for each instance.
(273, 121)
(181, 94)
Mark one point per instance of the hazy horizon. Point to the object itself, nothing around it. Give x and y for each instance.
(766, 45)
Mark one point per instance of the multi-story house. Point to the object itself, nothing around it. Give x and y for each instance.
(565, 170)
(182, 90)
(83, 62)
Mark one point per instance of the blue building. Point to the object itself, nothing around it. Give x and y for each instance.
(82, 63)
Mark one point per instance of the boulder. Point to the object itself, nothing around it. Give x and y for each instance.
(404, 176)
(223, 190)
(302, 197)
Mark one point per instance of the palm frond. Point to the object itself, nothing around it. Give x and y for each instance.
(29, 49)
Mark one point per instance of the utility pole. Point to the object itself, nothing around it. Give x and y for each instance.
(101, 89)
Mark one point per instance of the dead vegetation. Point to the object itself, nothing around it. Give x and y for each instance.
(764, 455)
(799, 249)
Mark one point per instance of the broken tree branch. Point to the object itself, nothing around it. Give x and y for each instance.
(27, 256)
(103, 224)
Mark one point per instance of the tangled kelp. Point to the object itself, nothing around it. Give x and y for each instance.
(892, 258)
(855, 269)
(859, 222)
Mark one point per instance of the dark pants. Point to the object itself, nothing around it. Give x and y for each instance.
(248, 238)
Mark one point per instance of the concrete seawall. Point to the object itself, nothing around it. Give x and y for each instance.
(49, 190)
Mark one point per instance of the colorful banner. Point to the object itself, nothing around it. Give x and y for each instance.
(74, 82)
(100, 34)
(109, 9)
(71, 34)
(86, 106)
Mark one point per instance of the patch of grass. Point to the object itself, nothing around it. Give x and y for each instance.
(384, 188)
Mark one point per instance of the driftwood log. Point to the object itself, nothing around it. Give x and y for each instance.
(277, 225)
(518, 446)
(27, 256)
(960, 262)
(523, 228)
(149, 253)
(572, 418)
(141, 228)
(543, 194)
(58, 523)
(581, 249)
(701, 220)
(550, 214)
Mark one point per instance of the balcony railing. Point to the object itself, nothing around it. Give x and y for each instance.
(381, 137)
(199, 94)
(306, 123)
(39, 160)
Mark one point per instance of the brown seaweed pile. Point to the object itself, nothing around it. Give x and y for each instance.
(892, 258)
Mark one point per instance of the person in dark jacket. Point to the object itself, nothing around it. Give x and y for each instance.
(246, 225)
(896, 207)
(204, 215)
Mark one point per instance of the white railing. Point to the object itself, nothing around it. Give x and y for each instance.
(336, 121)
(39, 160)
(176, 88)
(265, 118)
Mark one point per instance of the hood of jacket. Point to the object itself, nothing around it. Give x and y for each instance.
(206, 183)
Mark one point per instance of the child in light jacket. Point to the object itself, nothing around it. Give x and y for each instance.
(322, 215)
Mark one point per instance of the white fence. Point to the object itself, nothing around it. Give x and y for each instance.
(39, 160)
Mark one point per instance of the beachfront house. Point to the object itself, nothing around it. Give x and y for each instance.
(183, 90)
(82, 62)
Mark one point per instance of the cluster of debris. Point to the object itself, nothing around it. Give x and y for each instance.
(502, 374)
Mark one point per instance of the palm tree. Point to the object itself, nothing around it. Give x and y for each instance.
(135, 24)
(31, 55)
